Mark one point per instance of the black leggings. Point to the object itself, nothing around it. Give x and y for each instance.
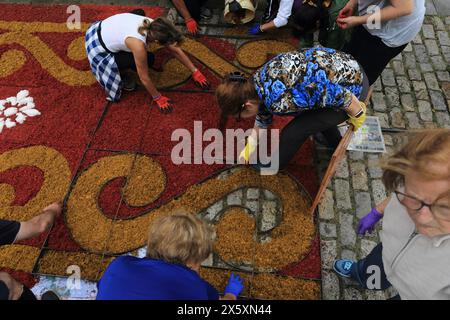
(370, 51)
(193, 6)
(125, 60)
(307, 123)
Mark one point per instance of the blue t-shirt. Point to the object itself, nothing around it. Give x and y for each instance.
(131, 278)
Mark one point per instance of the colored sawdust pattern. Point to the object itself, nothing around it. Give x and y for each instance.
(111, 162)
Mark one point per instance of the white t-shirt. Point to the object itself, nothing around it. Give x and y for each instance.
(117, 28)
(395, 32)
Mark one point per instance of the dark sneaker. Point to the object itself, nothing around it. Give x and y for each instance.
(129, 84)
(206, 13)
(343, 267)
(49, 295)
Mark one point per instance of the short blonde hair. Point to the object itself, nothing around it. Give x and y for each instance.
(180, 238)
(423, 147)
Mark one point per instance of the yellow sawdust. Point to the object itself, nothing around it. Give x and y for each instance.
(254, 54)
(56, 173)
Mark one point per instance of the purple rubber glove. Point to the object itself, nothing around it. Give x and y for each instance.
(235, 285)
(255, 30)
(368, 222)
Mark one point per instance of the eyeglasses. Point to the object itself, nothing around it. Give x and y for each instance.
(440, 212)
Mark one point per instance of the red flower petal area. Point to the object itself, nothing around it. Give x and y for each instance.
(70, 115)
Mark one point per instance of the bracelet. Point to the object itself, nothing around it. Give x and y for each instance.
(156, 97)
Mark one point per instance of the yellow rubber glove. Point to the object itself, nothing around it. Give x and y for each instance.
(250, 147)
(358, 122)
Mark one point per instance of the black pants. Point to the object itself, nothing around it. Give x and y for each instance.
(308, 123)
(370, 51)
(125, 61)
(193, 7)
(361, 273)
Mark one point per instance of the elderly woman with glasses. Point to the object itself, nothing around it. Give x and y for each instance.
(414, 253)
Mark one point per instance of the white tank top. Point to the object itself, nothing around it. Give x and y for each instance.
(117, 28)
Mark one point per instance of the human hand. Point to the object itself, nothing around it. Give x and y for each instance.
(235, 285)
(358, 120)
(164, 104)
(368, 222)
(348, 22)
(200, 79)
(345, 12)
(191, 26)
(255, 29)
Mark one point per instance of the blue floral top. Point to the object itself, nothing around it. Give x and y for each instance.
(306, 79)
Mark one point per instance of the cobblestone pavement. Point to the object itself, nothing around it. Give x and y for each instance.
(412, 93)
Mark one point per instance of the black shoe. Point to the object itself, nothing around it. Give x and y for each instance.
(129, 84)
(139, 12)
(206, 13)
(271, 11)
(49, 295)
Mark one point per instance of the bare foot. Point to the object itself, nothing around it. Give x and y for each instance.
(55, 208)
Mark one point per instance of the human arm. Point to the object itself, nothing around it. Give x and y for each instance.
(396, 9)
(283, 14)
(191, 24)
(178, 53)
(139, 51)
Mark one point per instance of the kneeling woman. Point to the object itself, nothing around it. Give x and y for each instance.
(119, 44)
(320, 87)
(177, 245)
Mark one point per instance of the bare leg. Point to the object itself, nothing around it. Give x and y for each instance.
(39, 224)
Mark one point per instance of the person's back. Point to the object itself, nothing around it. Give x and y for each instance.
(313, 77)
(131, 278)
(117, 28)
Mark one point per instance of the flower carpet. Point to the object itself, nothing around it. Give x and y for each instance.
(110, 163)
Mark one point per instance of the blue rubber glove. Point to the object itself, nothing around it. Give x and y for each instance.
(255, 30)
(368, 222)
(235, 285)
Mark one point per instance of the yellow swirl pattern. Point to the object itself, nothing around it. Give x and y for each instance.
(56, 173)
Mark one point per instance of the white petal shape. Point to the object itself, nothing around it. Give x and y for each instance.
(10, 112)
(22, 95)
(2, 104)
(20, 118)
(9, 124)
(25, 101)
(12, 100)
(30, 105)
(31, 112)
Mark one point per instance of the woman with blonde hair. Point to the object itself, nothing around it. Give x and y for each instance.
(414, 253)
(119, 44)
(177, 245)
